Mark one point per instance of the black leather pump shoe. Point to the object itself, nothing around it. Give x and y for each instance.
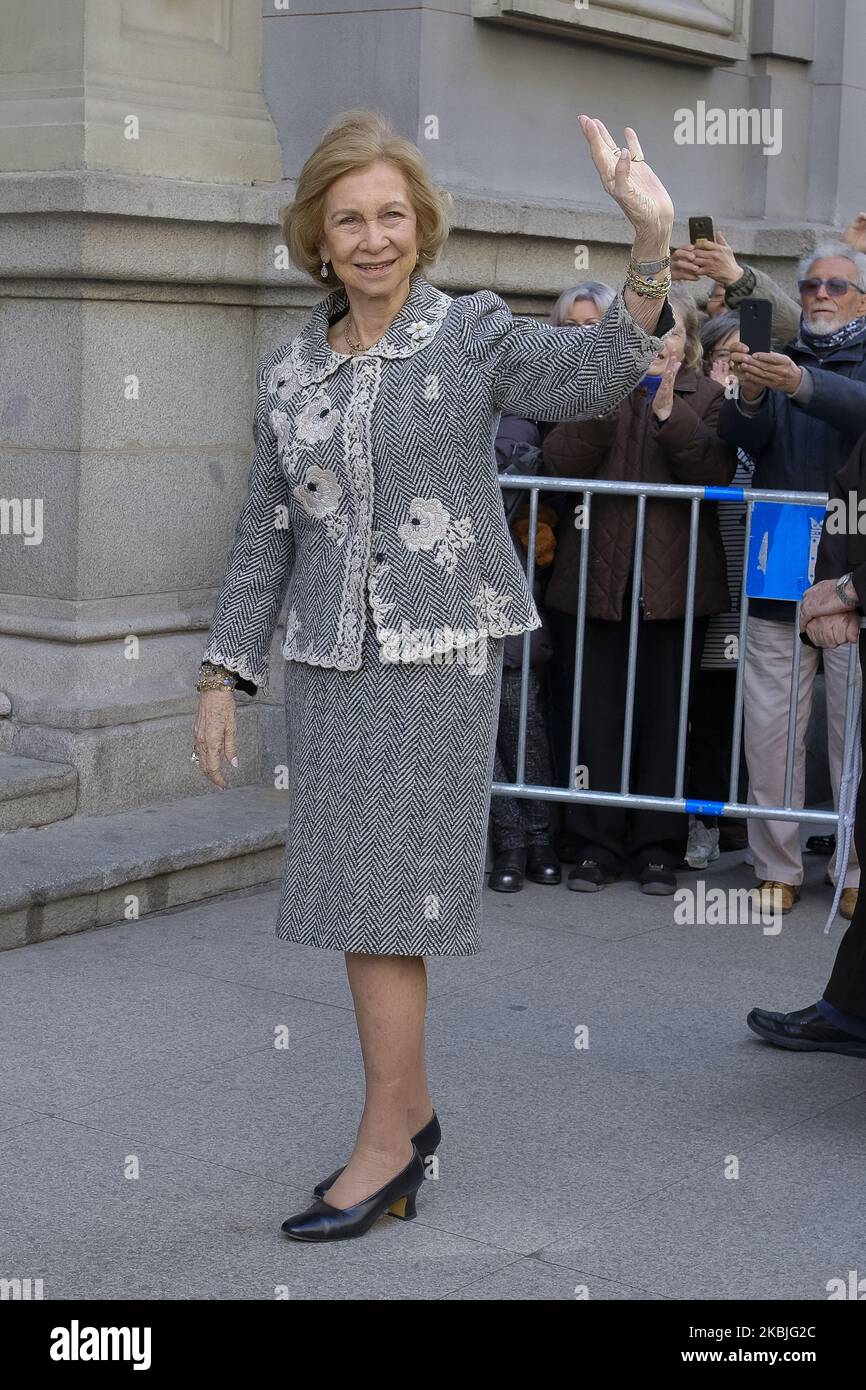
(426, 1141)
(324, 1222)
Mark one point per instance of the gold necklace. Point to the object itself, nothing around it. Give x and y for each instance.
(357, 345)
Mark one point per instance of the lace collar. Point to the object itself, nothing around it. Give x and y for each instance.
(312, 358)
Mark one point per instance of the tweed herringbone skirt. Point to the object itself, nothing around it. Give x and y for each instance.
(389, 795)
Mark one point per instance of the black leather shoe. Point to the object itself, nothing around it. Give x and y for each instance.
(588, 877)
(321, 1221)
(805, 1030)
(426, 1141)
(542, 865)
(506, 876)
(657, 878)
(821, 844)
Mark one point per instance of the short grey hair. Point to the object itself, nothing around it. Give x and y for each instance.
(714, 331)
(827, 249)
(601, 295)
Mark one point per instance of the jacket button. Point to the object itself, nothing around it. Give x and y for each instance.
(380, 555)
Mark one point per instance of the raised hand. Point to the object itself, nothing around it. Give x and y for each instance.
(663, 400)
(630, 181)
(855, 235)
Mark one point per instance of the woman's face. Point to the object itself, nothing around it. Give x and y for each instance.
(585, 311)
(720, 358)
(674, 348)
(370, 221)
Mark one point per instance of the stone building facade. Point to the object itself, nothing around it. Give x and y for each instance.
(145, 149)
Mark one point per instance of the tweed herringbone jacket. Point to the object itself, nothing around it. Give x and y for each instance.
(404, 434)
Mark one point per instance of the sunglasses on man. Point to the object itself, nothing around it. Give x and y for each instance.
(836, 287)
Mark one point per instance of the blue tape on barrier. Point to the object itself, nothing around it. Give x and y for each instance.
(724, 494)
(705, 808)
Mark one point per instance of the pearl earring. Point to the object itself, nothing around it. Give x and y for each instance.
(324, 271)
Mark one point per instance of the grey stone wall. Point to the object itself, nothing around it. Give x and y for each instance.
(152, 260)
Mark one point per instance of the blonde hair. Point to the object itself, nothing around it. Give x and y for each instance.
(352, 141)
(680, 298)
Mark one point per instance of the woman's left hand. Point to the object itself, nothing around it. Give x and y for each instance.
(663, 400)
(631, 182)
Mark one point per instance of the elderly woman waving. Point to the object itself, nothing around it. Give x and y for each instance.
(374, 510)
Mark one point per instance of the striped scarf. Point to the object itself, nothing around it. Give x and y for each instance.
(822, 342)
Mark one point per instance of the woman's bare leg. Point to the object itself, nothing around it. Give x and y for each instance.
(420, 1107)
(390, 994)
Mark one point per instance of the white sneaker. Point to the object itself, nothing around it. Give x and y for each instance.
(703, 845)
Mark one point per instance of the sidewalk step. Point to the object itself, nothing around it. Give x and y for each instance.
(34, 792)
(90, 871)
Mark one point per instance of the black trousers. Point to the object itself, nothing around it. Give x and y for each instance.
(519, 822)
(846, 989)
(711, 736)
(624, 839)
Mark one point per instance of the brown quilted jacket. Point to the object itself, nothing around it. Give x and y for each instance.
(631, 445)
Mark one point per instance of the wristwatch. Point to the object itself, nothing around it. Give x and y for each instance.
(841, 585)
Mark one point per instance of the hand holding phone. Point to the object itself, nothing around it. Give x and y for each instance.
(761, 369)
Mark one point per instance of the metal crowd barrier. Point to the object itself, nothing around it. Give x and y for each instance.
(843, 817)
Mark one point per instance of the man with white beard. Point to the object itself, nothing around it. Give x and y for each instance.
(799, 414)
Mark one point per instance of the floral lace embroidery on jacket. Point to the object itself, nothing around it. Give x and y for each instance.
(316, 421)
(283, 380)
(320, 493)
(430, 527)
(417, 643)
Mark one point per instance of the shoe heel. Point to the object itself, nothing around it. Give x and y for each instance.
(404, 1208)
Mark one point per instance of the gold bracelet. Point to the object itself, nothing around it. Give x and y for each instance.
(214, 677)
(650, 289)
(644, 277)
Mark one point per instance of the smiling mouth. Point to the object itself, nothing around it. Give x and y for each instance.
(373, 265)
